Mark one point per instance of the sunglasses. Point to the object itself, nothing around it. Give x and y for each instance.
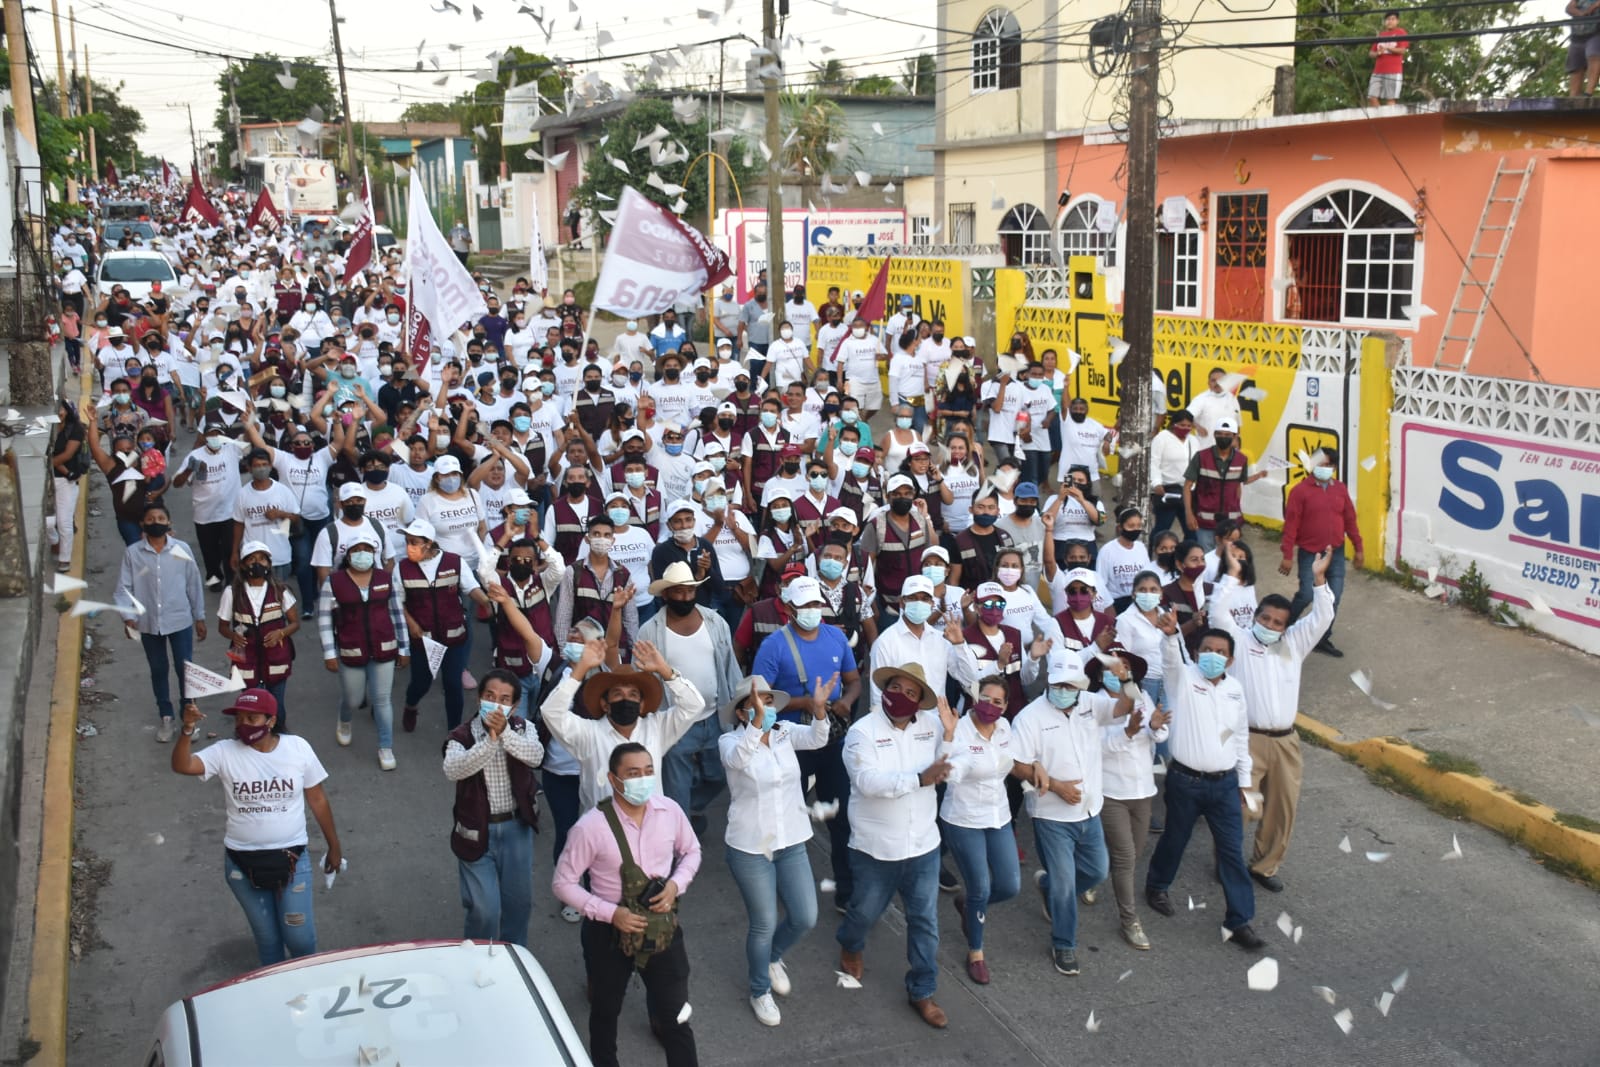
(991, 603)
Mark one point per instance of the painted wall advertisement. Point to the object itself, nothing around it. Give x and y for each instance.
(742, 233)
(1525, 510)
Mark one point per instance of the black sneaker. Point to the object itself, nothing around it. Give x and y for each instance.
(1247, 939)
(1160, 902)
(947, 880)
(1066, 961)
(1326, 647)
(1270, 882)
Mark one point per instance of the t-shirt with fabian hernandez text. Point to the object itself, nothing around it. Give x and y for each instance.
(265, 790)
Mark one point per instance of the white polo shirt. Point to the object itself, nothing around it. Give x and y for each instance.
(1067, 744)
(893, 816)
(975, 792)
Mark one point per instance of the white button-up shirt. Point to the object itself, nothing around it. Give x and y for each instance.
(1209, 730)
(892, 815)
(1127, 763)
(767, 806)
(1067, 744)
(975, 792)
(591, 740)
(1169, 457)
(898, 646)
(1270, 674)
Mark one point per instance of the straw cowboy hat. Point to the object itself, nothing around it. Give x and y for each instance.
(884, 675)
(598, 686)
(754, 684)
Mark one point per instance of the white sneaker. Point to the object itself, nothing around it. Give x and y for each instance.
(342, 733)
(571, 914)
(386, 758)
(165, 731)
(766, 1010)
(779, 976)
(213, 582)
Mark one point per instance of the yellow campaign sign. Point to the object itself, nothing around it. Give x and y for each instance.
(937, 287)
(825, 271)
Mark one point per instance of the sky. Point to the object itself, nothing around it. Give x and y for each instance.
(160, 78)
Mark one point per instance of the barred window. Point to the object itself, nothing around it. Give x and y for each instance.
(997, 53)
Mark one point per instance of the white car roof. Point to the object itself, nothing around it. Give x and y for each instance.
(419, 1004)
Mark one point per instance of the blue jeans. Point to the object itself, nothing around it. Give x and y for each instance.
(301, 545)
(373, 682)
(1302, 596)
(833, 783)
(919, 416)
(1188, 799)
(155, 654)
(280, 693)
(280, 920)
(1035, 466)
(450, 668)
(692, 773)
(1207, 539)
(1073, 854)
(128, 531)
(989, 870)
(561, 796)
(917, 882)
(497, 887)
(763, 883)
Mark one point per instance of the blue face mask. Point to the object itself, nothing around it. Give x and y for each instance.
(1212, 665)
(487, 708)
(935, 575)
(1035, 383)
(1062, 696)
(903, 422)
(769, 419)
(572, 651)
(1112, 683)
(547, 388)
(362, 560)
(916, 612)
(1264, 635)
(619, 516)
(700, 484)
(769, 716)
(521, 516)
(808, 618)
(449, 483)
(1322, 474)
(673, 448)
(860, 470)
(522, 423)
(640, 789)
(1147, 601)
(831, 569)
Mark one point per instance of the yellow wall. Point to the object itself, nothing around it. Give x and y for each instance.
(938, 287)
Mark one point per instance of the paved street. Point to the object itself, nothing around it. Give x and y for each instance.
(1502, 956)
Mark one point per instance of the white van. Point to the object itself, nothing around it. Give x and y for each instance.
(421, 1004)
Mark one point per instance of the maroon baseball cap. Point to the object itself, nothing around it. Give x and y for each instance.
(255, 700)
(790, 450)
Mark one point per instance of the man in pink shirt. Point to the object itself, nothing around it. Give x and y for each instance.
(660, 844)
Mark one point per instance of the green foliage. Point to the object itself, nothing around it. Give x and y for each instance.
(918, 78)
(1450, 763)
(261, 98)
(118, 138)
(1472, 589)
(58, 144)
(432, 111)
(876, 85)
(621, 132)
(1525, 64)
(831, 77)
(816, 138)
(1578, 822)
(482, 108)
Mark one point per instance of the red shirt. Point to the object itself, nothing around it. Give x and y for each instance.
(1319, 516)
(1390, 62)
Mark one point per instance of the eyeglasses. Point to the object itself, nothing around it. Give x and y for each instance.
(991, 603)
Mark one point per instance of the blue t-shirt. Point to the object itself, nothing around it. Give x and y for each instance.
(827, 652)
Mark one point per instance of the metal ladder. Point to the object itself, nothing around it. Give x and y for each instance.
(1465, 321)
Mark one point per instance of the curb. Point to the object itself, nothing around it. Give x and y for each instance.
(52, 921)
(1485, 801)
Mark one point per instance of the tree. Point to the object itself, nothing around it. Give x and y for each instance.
(603, 183)
(1527, 63)
(875, 85)
(432, 111)
(483, 108)
(831, 76)
(118, 137)
(816, 139)
(262, 98)
(919, 74)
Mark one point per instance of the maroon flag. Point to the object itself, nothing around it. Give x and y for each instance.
(111, 173)
(874, 303)
(168, 179)
(419, 338)
(196, 208)
(653, 259)
(359, 256)
(265, 211)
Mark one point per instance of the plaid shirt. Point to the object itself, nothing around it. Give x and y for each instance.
(485, 755)
(330, 645)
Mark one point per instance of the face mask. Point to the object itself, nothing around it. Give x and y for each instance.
(898, 705)
(671, 374)
(673, 448)
(900, 505)
(1211, 665)
(1008, 576)
(1224, 442)
(991, 616)
(547, 388)
(214, 442)
(487, 708)
(521, 516)
(249, 735)
(156, 529)
(808, 618)
(393, 318)
(634, 479)
(619, 379)
(600, 546)
(903, 422)
(302, 451)
(1062, 696)
(122, 400)
(769, 419)
(781, 515)
(638, 790)
(257, 571)
(1112, 683)
(791, 469)
(623, 712)
(261, 474)
(716, 503)
(619, 516)
(1034, 383)
(1322, 474)
(786, 333)
(859, 331)
(1180, 432)
(1080, 602)
(1147, 601)
(353, 512)
(851, 416)
(860, 470)
(441, 441)
(362, 560)
(572, 651)
(1264, 635)
(987, 712)
(936, 575)
(680, 608)
(576, 490)
(1026, 511)
(916, 612)
(831, 569)
(636, 376)
(449, 483)
(1130, 533)
(685, 536)
(216, 348)
(830, 409)
(985, 521)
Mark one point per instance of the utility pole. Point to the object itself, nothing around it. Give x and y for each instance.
(770, 84)
(1135, 415)
(21, 86)
(63, 99)
(236, 119)
(344, 98)
(88, 109)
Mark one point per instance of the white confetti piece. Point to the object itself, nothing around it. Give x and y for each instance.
(482, 980)
(1345, 1018)
(1539, 604)
(1363, 682)
(1124, 976)
(1262, 977)
(1227, 934)
(298, 1004)
(1383, 1003)
(1092, 1025)
(66, 583)
(1253, 800)
(1285, 924)
(1369, 463)
(1415, 312)
(683, 1016)
(826, 885)
(824, 810)
(156, 839)
(847, 981)
(1455, 849)
(1193, 906)
(1255, 392)
(1399, 984)
(1298, 930)
(1377, 857)
(1325, 993)
(1119, 350)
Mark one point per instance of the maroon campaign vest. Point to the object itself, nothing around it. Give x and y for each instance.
(363, 629)
(510, 651)
(258, 664)
(989, 662)
(1217, 489)
(436, 605)
(469, 838)
(899, 555)
(569, 529)
(1071, 638)
(763, 458)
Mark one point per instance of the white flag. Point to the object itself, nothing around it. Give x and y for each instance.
(441, 289)
(538, 269)
(435, 653)
(199, 682)
(653, 260)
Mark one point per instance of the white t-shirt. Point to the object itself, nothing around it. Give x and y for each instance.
(215, 478)
(1080, 444)
(632, 548)
(800, 316)
(265, 791)
(962, 483)
(250, 508)
(1072, 522)
(695, 658)
(306, 480)
(331, 542)
(731, 556)
(258, 597)
(1118, 565)
(455, 522)
(858, 358)
(392, 507)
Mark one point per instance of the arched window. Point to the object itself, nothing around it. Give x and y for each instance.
(1089, 228)
(997, 53)
(1351, 258)
(1178, 265)
(1025, 236)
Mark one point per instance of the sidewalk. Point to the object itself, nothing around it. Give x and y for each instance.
(1524, 708)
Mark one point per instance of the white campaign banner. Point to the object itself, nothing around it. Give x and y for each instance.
(538, 266)
(653, 260)
(521, 110)
(199, 682)
(1525, 510)
(434, 652)
(442, 290)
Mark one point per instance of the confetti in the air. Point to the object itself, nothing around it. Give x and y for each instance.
(1383, 1003)
(1377, 857)
(1325, 993)
(1092, 1025)
(1346, 1019)
(1455, 849)
(1262, 977)
(1399, 983)
(1344, 845)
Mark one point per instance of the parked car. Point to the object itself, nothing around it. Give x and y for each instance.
(135, 270)
(440, 1003)
(111, 233)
